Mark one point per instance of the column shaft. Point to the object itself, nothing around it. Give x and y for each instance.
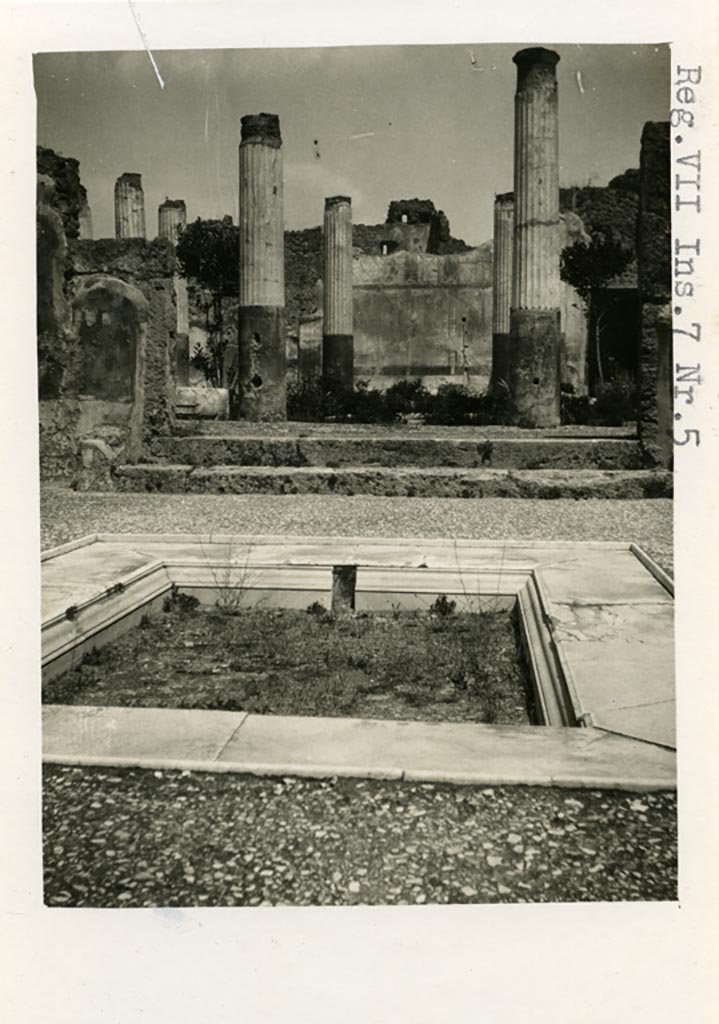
(337, 331)
(502, 288)
(535, 320)
(261, 384)
(129, 207)
(171, 219)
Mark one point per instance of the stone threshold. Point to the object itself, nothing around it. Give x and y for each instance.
(457, 753)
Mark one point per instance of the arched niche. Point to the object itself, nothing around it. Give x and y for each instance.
(109, 320)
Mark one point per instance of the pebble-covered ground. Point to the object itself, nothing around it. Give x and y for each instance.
(135, 838)
(142, 838)
(66, 514)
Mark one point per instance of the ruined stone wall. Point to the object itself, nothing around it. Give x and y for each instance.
(655, 289)
(150, 267)
(69, 194)
(422, 315)
(116, 351)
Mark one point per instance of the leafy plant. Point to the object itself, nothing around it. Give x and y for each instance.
(327, 399)
(208, 251)
(589, 268)
(443, 606)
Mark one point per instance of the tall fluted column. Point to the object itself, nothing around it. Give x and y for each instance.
(171, 219)
(85, 221)
(337, 336)
(261, 388)
(502, 288)
(535, 321)
(129, 207)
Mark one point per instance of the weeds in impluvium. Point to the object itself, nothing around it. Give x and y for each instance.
(483, 670)
(442, 606)
(176, 601)
(320, 612)
(233, 580)
(479, 604)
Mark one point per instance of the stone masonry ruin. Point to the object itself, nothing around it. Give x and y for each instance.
(107, 326)
(381, 303)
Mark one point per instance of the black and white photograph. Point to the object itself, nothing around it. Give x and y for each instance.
(358, 512)
(355, 425)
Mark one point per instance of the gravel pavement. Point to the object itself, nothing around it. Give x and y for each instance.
(141, 838)
(137, 838)
(66, 514)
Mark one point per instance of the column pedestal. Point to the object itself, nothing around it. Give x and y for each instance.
(535, 343)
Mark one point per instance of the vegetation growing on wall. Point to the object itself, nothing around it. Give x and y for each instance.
(70, 194)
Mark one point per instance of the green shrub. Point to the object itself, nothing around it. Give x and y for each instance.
(613, 404)
(326, 399)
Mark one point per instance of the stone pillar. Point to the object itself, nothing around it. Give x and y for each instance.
(654, 273)
(573, 317)
(337, 337)
(129, 207)
(171, 219)
(535, 333)
(85, 221)
(262, 359)
(502, 288)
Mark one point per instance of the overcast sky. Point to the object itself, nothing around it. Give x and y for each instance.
(375, 123)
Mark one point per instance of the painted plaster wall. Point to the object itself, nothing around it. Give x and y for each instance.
(409, 310)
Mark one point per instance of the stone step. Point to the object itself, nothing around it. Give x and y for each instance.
(401, 481)
(341, 449)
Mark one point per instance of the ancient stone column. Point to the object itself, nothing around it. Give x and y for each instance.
(171, 219)
(535, 333)
(261, 390)
(337, 338)
(502, 288)
(85, 221)
(129, 207)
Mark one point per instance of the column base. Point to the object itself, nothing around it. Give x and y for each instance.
(338, 357)
(535, 347)
(260, 391)
(656, 391)
(182, 359)
(499, 377)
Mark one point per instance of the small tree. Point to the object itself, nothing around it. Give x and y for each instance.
(208, 253)
(589, 267)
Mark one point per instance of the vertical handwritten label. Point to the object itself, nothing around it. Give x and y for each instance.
(687, 188)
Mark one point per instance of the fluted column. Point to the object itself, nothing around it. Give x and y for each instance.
(337, 330)
(85, 221)
(535, 321)
(129, 207)
(261, 389)
(502, 288)
(171, 219)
